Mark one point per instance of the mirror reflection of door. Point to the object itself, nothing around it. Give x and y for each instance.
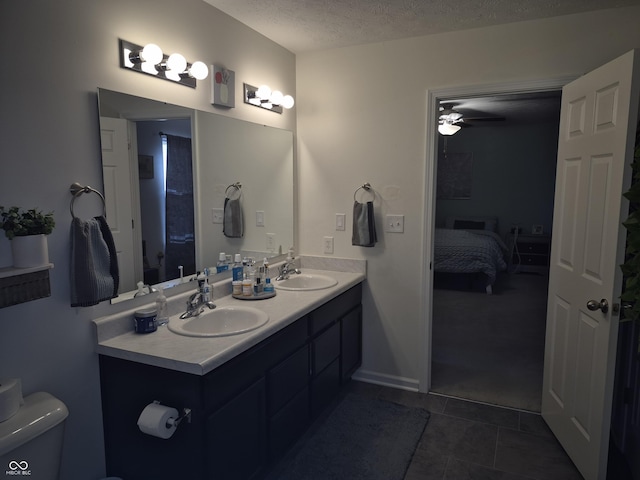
(166, 198)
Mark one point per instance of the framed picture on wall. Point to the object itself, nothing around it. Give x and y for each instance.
(145, 167)
(223, 87)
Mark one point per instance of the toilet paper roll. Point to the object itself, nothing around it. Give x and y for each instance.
(10, 397)
(154, 420)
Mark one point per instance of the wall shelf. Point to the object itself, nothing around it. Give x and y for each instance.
(19, 285)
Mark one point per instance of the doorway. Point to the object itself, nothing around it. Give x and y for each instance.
(434, 98)
(493, 217)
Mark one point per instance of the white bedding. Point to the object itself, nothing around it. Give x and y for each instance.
(469, 251)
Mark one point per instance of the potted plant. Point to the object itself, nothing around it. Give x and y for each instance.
(27, 230)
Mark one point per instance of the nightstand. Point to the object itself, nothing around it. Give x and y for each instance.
(529, 253)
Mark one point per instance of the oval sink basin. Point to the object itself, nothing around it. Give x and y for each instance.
(306, 281)
(220, 322)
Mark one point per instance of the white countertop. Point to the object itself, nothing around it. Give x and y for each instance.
(200, 355)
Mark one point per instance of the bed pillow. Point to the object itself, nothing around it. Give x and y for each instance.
(490, 223)
(468, 225)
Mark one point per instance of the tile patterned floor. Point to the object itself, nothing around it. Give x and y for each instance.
(466, 440)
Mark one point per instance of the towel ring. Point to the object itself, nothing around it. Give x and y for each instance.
(236, 185)
(366, 187)
(76, 190)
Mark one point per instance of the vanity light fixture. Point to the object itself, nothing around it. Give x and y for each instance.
(150, 60)
(264, 97)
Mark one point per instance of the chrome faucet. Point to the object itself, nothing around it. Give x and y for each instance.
(286, 269)
(197, 303)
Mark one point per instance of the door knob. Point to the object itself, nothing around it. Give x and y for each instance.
(602, 305)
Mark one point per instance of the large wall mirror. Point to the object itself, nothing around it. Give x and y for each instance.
(168, 172)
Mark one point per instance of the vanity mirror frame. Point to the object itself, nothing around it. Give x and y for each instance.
(248, 150)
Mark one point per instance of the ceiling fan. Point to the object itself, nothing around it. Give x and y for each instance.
(451, 120)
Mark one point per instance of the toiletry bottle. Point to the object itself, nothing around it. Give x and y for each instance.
(162, 316)
(222, 264)
(247, 287)
(268, 286)
(237, 269)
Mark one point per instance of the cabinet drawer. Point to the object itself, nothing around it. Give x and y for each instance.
(325, 348)
(534, 260)
(333, 310)
(532, 247)
(287, 379)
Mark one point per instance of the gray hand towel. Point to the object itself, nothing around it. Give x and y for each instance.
(233, 222)
(94, 264)
(364, 225)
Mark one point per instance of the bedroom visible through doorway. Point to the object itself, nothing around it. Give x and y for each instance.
(493, 218)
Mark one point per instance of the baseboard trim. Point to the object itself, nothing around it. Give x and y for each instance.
(394, 381)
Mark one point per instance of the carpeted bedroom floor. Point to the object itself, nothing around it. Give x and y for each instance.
(490, 348)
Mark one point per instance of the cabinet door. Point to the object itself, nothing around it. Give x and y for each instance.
(350, 343)
(237, 436)
(288, 424)
(287, 378)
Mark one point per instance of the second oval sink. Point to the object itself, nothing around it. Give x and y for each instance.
(220, 322)
(306, 281)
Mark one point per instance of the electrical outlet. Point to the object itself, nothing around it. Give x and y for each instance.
(271, 242)
(217, 215)
(328, 244)
(394, 223)
(340, 221)
(259, 218)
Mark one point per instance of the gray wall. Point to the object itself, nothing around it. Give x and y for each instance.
(513, 174)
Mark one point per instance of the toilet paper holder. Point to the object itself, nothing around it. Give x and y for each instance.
(186, 413)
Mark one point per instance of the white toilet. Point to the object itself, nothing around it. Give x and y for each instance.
(31, 440)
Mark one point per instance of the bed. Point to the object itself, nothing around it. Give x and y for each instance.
(471, 248)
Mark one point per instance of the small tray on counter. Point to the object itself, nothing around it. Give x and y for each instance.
(260, 296)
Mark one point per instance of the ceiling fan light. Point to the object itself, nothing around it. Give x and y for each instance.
(448, 129)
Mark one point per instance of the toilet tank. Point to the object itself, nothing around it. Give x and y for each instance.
(31, 440)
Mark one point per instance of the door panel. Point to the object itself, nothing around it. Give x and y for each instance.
(595, 149)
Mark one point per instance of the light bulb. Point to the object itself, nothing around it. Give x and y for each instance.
(151, 53)
(276, 97)
(263, 92)
(288, 101)
(176, 63)
(199, 70)
(448, 129)
(149, 67)
(171, 75)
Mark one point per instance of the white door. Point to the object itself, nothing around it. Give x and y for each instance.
(117, 191)
(595, 149)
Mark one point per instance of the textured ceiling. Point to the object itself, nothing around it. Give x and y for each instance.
(308, 25)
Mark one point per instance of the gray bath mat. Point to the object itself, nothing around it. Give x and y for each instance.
(363, 438)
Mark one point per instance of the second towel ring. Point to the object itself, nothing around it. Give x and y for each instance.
(366, 187)
(76, 190)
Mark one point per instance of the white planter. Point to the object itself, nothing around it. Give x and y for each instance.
(30, 251)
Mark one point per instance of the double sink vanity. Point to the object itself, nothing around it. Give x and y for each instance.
(253, 374)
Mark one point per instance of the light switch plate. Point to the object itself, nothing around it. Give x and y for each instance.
(217, 215)
(340, 221)
(259, 218)
(394, 223)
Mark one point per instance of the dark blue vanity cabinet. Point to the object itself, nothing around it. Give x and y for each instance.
(245, 413)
